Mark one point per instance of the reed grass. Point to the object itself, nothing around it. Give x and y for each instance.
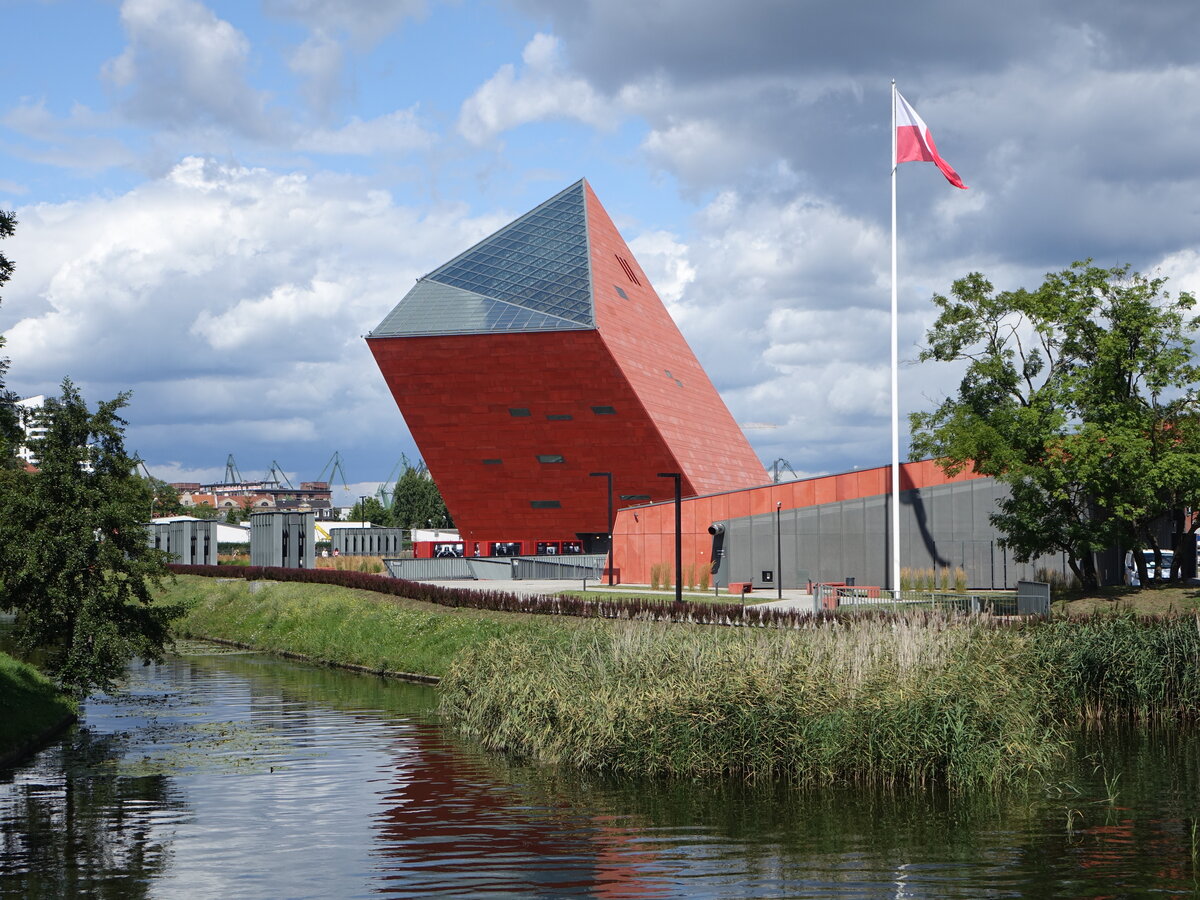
(1128, 666)
(880, 702)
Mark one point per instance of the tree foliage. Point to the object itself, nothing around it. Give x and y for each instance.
(370, 509)
(74, 558)
(417, 502)
(164, 499)
(1081, 397)
(10, 433)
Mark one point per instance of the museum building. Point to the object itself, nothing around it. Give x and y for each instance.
(540, 363)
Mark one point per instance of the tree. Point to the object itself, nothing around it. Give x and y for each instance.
(164, 499)
(1080, 396)
(74, 557)
(369, 509)
(417, 502)
(10, 432)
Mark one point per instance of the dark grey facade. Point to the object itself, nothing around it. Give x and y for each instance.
(190, 542)
(367, 541)
(946, 526)
(284, 539)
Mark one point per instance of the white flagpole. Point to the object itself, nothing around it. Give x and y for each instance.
(895, 377)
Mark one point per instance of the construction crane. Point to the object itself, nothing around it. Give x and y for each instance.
(777, 468)
(387, 489)
(276, 473)
(232, 475)
(334, 467)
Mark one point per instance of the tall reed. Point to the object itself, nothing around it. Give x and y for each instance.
(882, 702)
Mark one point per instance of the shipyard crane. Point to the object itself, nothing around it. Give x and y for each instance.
(387, 489)
(334, 467)
(777, 468)
(276, 473)
(232, 475)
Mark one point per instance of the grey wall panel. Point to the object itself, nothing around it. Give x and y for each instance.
(946, 525)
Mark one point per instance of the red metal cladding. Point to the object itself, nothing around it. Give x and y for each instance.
(511, 425)
(643, 537)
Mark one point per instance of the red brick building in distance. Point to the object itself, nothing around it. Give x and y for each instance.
(543, 355)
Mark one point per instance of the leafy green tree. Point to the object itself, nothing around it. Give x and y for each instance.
(417, 502)
(1080, 396)
(10, 433)
(202, 511)
(369, 510)
(74, 557)
(164, 499)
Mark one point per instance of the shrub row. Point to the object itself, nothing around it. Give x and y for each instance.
(506, 601)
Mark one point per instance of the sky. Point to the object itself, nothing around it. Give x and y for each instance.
(218, 200)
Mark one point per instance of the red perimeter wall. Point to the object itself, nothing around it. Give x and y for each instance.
(645, 536)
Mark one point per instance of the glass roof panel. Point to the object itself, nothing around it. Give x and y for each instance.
(532, 275)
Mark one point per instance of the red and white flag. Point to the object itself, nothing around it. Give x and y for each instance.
(914, 143)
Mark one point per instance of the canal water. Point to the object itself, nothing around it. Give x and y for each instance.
(223, 774)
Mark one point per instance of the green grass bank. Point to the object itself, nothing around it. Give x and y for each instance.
(344, 626)
(30, 707)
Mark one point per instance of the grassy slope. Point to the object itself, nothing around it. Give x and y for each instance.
(1162, 601)
(29, 704)
(342, 625)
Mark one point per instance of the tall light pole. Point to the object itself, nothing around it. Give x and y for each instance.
(678, 532)
(362, 510)
(608, 475)
(778, 552)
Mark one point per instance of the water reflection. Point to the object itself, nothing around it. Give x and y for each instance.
(235, 775)
(71, 830)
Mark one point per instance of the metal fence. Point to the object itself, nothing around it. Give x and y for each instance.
(996, 603)
(555, 568)
(508, 568)
(445, 568)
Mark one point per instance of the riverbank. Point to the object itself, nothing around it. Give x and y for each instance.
(883, 700)
(348, 627)
(31, 709)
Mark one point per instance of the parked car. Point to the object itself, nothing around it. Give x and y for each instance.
(1152, 573)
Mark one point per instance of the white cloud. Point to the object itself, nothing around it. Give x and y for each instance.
(320, 61)
(544, 90)
(184, 67)
(396, 132)
(364, 20)
(231, 300)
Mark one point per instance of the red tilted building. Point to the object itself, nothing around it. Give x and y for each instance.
(543, 355)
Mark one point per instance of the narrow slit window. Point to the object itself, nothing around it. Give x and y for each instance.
(621, 293)
(545, 504)
(604, 410)
(492, 462)
(550, 458)
(518, 412)
(628, 269)
(560, 417)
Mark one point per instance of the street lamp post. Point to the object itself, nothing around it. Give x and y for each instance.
(608, 475)
(778, 553)
(362, 510)
(678, 532)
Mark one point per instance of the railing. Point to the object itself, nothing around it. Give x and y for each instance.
(558, 568)
(488, 568)
(996, 603)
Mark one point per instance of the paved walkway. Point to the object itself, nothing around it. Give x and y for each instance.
(792, 599)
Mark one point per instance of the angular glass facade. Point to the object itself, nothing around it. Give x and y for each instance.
(532, 275)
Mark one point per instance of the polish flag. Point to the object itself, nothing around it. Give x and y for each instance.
(914, 143)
